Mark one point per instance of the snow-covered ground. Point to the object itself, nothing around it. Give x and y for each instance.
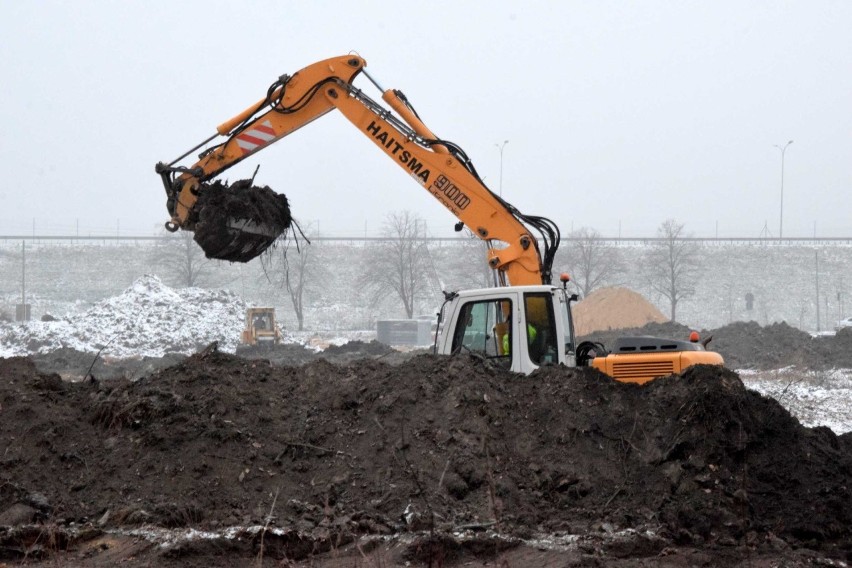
(147, 319)
(150, 319)
(816, 398)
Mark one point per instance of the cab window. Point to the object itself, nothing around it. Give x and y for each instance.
(482, 329)
(567, 325)
(540, 329)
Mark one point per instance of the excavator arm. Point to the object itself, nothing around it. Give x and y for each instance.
(441, 167)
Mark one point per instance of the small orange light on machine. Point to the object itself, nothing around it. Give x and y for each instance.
(564, 277)
(694, 337)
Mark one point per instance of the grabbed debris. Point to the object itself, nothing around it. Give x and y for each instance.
(238, 222)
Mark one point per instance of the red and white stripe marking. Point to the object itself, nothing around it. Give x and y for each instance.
(260, 135)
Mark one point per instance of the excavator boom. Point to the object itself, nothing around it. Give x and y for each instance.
(227, 228)
(520, 327)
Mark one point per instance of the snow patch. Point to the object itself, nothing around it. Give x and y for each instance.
(815, 398)
(147, 319)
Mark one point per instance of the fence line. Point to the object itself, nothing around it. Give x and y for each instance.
(617, 241)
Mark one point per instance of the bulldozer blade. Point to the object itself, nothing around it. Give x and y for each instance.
(238, 222)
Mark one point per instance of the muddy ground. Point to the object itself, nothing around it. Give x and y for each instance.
(378, 459)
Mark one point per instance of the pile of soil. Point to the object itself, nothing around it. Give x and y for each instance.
(328, 453)
(261, 217)
(294, 354)
(837, 350)
(749, 345)
(74, 365)
(614, 308)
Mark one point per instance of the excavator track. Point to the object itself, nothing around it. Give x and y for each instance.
(238, 222)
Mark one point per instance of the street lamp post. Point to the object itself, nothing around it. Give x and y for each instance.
(781, 219)
(500, 147)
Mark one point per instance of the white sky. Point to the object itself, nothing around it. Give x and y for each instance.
(618, 114)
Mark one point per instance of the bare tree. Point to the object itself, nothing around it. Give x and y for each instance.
(182, 258)
(399, 264)
(299, 273)
(467, 267)
(591, 261)
(672, 264)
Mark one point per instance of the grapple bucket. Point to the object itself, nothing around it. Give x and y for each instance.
(237, 222)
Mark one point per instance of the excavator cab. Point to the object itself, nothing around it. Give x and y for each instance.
(519, 328)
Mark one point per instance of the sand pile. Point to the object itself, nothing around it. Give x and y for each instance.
(614, 308)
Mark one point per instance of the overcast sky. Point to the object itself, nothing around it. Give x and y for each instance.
(619, 115)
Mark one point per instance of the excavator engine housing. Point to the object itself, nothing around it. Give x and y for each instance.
(642, 359)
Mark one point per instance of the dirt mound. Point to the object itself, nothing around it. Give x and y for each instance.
(294, 355)
(72, 364)
(747, 345)
(836, 351)
(372, 348)
(355, 350)
(614, 308)
(289, 354)
(368, 448)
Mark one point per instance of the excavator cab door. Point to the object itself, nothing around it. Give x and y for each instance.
(518, 327)
(483, 328)
(562, 303)
(540, 330)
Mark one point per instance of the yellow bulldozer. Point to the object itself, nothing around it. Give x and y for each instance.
(261, 327)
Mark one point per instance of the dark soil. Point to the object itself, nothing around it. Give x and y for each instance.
(743, 346)
(700, 469)
(73, 365)
(294, 355)
(219, 205)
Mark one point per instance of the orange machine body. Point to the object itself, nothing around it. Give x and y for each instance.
(643, 359)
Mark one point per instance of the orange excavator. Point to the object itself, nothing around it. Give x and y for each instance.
(522, 323)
